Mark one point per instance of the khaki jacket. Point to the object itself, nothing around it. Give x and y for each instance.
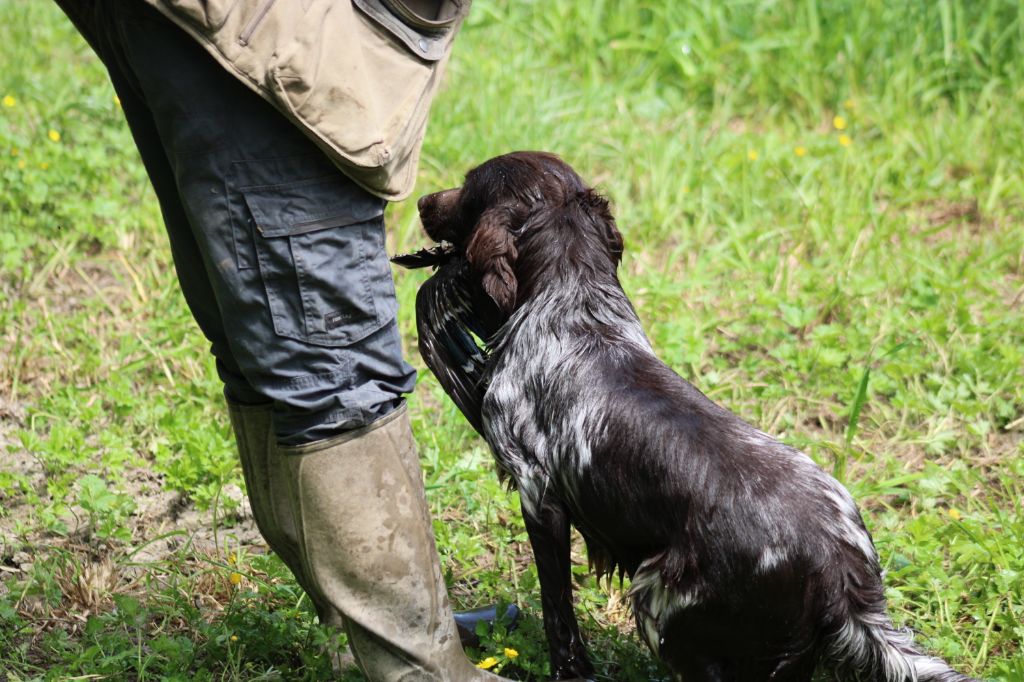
(358, 76)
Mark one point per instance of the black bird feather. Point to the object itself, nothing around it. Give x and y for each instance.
(452, 313)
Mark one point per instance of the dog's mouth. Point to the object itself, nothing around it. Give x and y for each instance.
(431, 207)
(434, 256)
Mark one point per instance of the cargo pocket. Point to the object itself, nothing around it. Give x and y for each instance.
(323, 263)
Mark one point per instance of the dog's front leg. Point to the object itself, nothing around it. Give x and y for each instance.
(547, 522)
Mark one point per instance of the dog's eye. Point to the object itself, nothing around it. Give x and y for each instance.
(526, 211)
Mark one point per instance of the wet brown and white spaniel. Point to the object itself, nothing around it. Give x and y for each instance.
(747, 561)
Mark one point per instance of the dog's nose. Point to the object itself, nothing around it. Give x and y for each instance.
(442, 201)
(424, 201)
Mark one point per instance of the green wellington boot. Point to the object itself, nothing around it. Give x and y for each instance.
(367, 545)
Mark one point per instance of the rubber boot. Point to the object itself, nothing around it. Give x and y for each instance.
(368, 546)
(266, 481)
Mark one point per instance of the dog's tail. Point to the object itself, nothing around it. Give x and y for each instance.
(864, 645)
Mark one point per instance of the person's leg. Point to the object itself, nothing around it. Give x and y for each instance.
(301, 304)
(249, 410)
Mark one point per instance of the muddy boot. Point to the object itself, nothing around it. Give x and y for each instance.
(367, 544)
(267, 484)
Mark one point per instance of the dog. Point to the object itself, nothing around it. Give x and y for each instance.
(746, 560)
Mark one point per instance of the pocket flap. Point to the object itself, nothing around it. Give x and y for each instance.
(427, 38)
(286, 209)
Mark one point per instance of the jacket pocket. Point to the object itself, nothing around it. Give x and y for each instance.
(360, 75)
(422, 25)
(322, 259)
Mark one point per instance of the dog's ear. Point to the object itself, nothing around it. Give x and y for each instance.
(602, 215)
(492, 253)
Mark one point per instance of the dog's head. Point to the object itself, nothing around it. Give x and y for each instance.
(518, 215)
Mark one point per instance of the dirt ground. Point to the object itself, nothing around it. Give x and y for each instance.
(163, 523)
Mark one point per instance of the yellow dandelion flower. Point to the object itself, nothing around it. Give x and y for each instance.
(686, 189)
(53, 135)
(845, 140)
(232, 558)
(800, 151)
(44, 165)
(234, 638)
(487, 663)
(14, 151)
(752, 155)
(839, 123)
(235, 578)
(21, 163)
(849, 104)
(511, 653)
(117, 101)
(9, 101)
(954, 514)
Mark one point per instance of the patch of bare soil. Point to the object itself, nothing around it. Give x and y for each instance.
(943, 220)
(162, 522)
(169, 536)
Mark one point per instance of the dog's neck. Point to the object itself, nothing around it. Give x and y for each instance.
(572, 303)
(564, 259)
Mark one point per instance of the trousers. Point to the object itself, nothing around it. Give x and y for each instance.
(280, 256)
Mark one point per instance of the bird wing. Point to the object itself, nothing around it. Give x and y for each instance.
(449, 321)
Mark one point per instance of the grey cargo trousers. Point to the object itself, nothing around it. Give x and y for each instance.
(280, 256)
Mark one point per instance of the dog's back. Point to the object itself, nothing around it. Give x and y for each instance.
(747, 560)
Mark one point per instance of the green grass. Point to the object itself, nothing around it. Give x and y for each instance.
(863, 302)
